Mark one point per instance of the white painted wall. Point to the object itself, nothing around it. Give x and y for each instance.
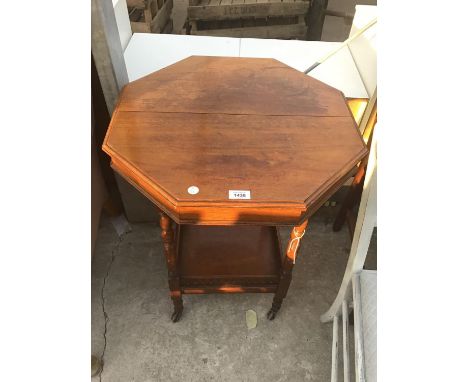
(352, 70)
(338, 71)
(364, 48)
(149, 52)
(123, 22)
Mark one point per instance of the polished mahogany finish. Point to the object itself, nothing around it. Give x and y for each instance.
(187, 135)
(229, 259)
(223, 124)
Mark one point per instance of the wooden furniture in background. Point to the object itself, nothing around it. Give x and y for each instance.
(104, 192)
(316, 18)
(188, 135)
(150, 16)
(248, 18)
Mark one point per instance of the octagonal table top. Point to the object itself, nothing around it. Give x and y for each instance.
(191, 135)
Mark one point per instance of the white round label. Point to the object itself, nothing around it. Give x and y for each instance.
(193, 190)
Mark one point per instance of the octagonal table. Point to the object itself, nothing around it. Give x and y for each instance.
(228, 149)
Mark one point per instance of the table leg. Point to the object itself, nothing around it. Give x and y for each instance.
(286, 269)
(167, 235)
(352, 197)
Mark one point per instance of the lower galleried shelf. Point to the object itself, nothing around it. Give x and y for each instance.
(228, 259)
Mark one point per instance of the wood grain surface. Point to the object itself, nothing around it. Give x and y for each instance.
(226, 259)
(220, 124)
(232, 85)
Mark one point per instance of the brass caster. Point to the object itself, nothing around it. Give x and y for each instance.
(176, 315)
(271, 314)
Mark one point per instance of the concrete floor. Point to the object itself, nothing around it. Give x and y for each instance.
(212, 342)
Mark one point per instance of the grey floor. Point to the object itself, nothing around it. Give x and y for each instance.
(212, 342)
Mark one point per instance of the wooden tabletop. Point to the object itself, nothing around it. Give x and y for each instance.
(218, 124)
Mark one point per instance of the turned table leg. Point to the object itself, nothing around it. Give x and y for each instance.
(167, 235)
(286, 269)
